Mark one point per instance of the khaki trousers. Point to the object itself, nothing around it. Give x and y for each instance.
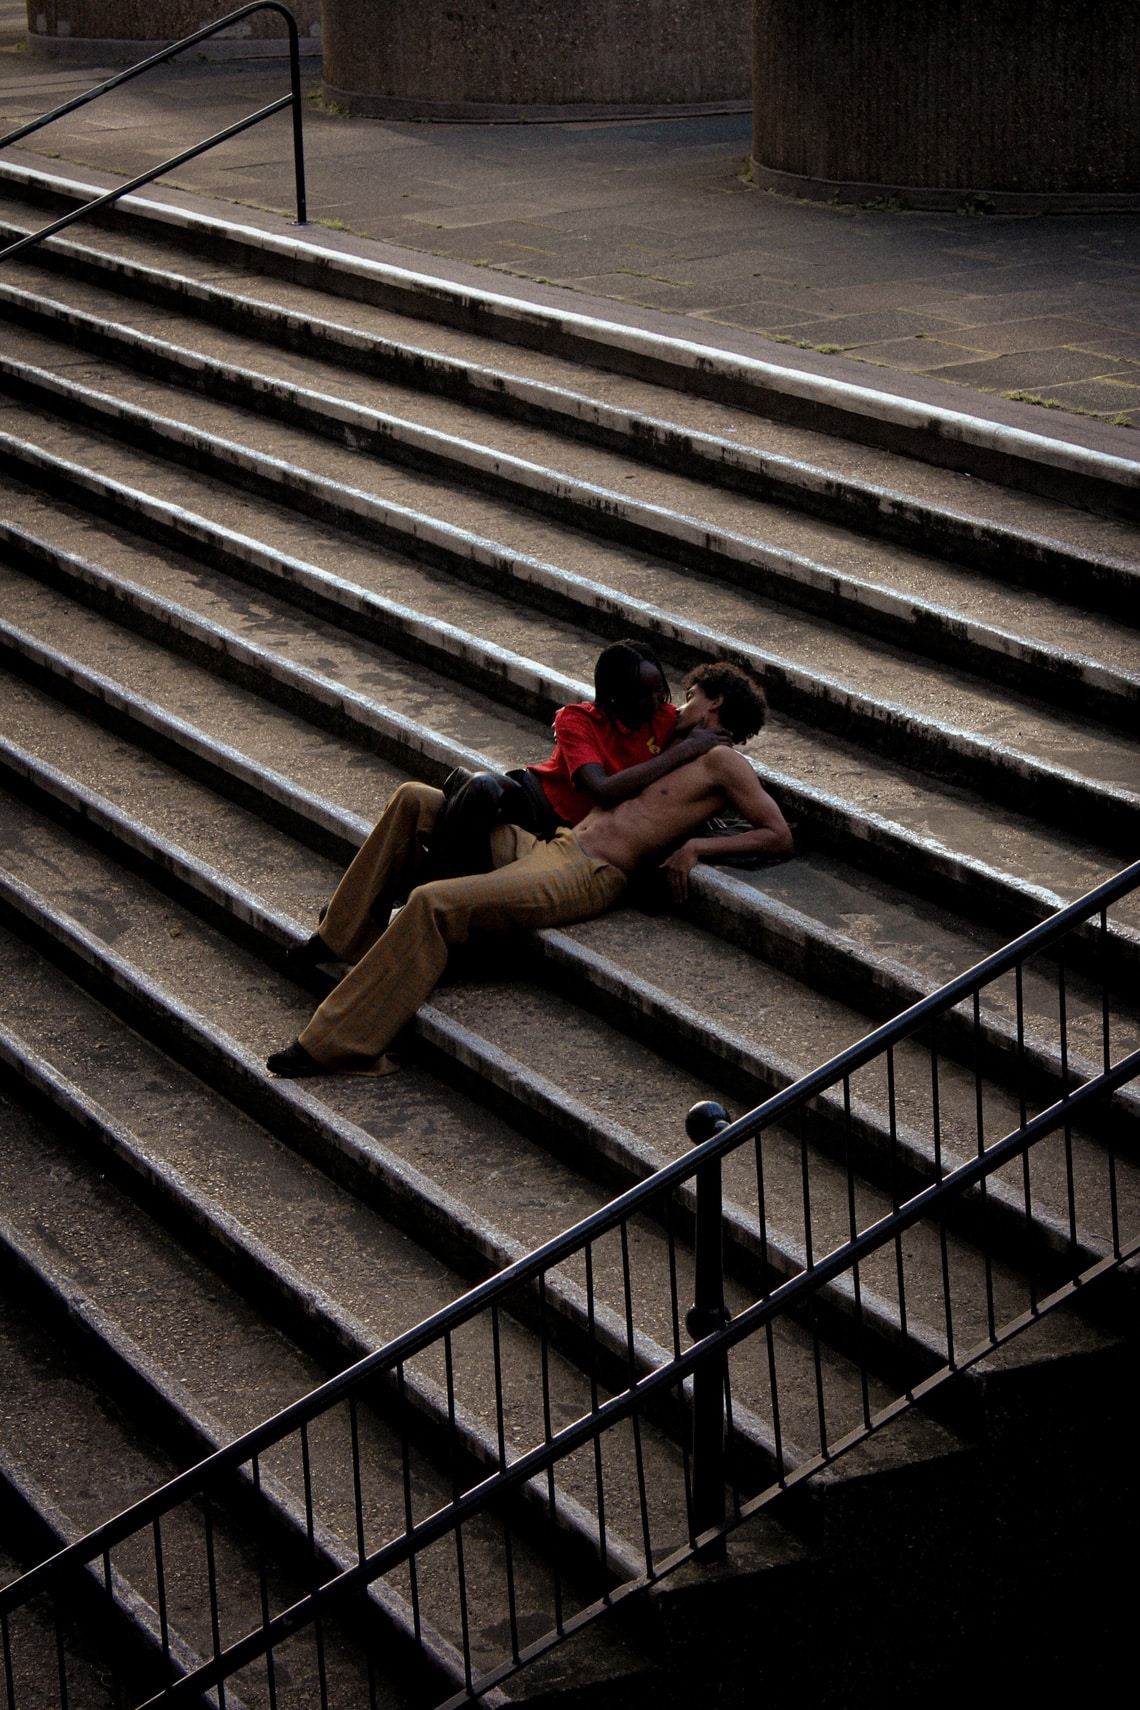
(396, 967)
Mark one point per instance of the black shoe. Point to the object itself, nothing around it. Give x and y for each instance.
(294, 1063)
(307, 957)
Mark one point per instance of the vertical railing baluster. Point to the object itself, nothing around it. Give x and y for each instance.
(1105, 1031)
(1022, 1114)
(1063, 1017)
(856, 1279)
(501, 1444)
(9, 1669)
(1023, 1117)
(731, 1459)
(774, 1387)
(263, 1589)
(357, 1485)
(896, 1195)
(980, 1119)
(809, 1259)
(456, 1492)
(817, 1372)
(1106, 1062)
(298, 136)
(765, 1291)
(707, 1315)
(160, 1591)
(61, 1659)
(596, 1440)
(674, 1289)
(314, 1562)
(109, 1593)
(939, 1171)
(404, 1414)
(635, 1418)
(547, 1433)
(212, 1584)
(805, 1189)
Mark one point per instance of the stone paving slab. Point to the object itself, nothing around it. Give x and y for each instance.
(1040, 368)
(657, 216)
(1100, 397)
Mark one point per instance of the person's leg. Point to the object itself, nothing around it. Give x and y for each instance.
(384, 869)
(550, 884)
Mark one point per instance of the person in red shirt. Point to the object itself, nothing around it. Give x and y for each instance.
(609, 749)
(606, 751)
(533, 882)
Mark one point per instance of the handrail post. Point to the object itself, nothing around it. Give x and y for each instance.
(293, 99)
(707, 1314)
(298, 139)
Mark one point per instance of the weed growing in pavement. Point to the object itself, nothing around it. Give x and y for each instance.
(974, 203)
(1121, 420)
(1033, 398)
(335, 109)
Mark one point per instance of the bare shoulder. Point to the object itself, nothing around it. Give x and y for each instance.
(738, 779)
(729, 766)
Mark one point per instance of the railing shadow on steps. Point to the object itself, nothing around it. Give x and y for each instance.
(293, 100)
(1008, 1211)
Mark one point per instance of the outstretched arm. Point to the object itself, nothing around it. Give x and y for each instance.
(769, 836)
(610, 788)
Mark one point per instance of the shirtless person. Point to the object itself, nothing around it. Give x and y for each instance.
(576, 875)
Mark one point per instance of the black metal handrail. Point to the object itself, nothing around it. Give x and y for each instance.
(1075, 1260)
(293, 99)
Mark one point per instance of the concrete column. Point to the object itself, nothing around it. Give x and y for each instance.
(502, 60)
(1003, 104)
(115, 30)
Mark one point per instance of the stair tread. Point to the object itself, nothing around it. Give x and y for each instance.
(973, 596)
(847, 460)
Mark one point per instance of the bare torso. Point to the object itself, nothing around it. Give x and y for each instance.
(671, 808)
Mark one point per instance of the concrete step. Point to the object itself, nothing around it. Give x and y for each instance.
(946, 438)
(421, 1140)
(268, 549)
(852, 829)
(500, 1078)
(953, 727)
(69, 1361)
(910, 600)
(867, 494)
(594, 964)
(118, 1340)
(216, 1334)
(760, 923)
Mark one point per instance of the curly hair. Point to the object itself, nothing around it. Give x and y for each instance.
(617, 672)
(744, 706)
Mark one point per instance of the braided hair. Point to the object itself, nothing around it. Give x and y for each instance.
(617, 675)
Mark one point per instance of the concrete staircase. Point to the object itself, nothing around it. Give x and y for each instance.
(283, 527)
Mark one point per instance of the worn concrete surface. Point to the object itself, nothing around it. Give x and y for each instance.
(659, 216)
(537, 59)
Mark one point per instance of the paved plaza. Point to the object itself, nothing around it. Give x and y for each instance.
(660, 217)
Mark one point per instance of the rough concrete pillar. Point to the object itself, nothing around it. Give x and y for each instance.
(133, 29)
(502, 60)
(944, 103)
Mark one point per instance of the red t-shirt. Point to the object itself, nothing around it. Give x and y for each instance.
(584, 735)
